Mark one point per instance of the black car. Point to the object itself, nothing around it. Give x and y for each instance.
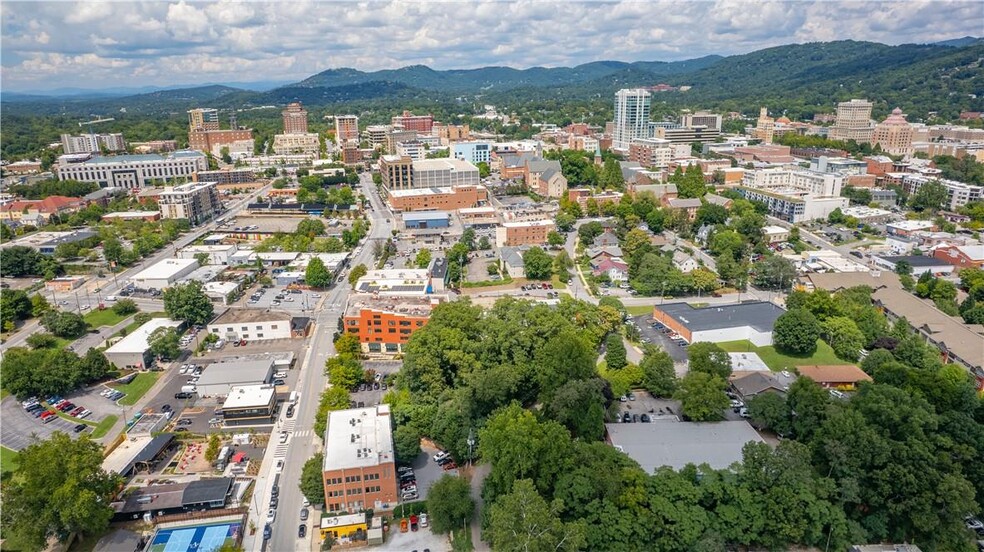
(290, 411)
(267, 532)
(279, 382)
(166, 408)
(626, 418)
(301, 531)
(180, 429)
(182, 395)
(635, 418)
(79, 428)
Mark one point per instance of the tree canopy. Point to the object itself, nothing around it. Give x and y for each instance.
(188, 303)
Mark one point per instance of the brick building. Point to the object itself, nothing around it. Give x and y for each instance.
(360, 465)
(514, 234)
(442, 199)
(384, 324)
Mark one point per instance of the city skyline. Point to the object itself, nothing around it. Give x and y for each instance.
(132, 44)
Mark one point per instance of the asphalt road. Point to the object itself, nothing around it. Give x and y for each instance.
(303, 444)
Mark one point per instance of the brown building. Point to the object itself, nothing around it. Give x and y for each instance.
(346, 128)
(440, 199)
(351, 154)
(515, 234)
(396, 171)
(454, 133)
(408, 121)
(879, 164)
(208, 140)
(963, 256)
(295, 119)
(360, 465)
(689, 206)
(845, 376)
(894, 135)
(203, 119)
(225, 176)
(384, 324)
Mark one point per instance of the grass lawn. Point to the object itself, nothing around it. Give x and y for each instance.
(138, 387)
(3, 394)
(461, 540)
(777, 361)
(106, 317)
(558, 283)
(132, 326)
(8, 459)
(104, 426)
(636, 310)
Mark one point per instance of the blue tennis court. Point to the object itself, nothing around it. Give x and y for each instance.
(199, 538)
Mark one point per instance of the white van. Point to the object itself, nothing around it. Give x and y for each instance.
(293, 398)
(111, 298)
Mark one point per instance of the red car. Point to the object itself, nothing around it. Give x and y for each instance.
(78, 410)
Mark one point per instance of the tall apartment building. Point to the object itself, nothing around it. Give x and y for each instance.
(853, 122)
(701, 118)
(631, 117)
(423, 124)
(686, 135)
(308, 143)
(396, 136)
(384, 324)
(346, 128)
(92, 143)
(765, 127)
(794, 195)
(958, 193)
(196, 201)
(449, 134)
(203, 119)
(397, 172)
(473, 152)
(376, 135)
(359, 469)
(295, 119)
(651, 152)
(894, 135)
(131, 171)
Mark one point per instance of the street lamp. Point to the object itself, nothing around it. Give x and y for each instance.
(471, 445)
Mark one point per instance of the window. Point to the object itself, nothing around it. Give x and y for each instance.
(215, 330)
(420, 323)
(259, 327)
(392, 322)
(393, 330)
(374, 489)
(272, 327)
(259, 336)
(245, 328)
(404, 322)
(371, 476)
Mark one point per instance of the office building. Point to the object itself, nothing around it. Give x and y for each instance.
(196, 201)
(239, 141)
(295, 119)
(396, 136)
(894, 135)
(853, 122)
(701, 118)
(376, 135)
(686, 135)
(226, 176)
(131, 171)
(219, 378)
(437, 173)
(651, 152)
(164, 273)
(514, 234)
(396, 172)
(249, 404)
(631, 117)
(359, 461)
(203, 119)
(414, 149)
(765, 127)
(426, 220)
(297, 144)
(450, 198)
(400, 282)
(384, 324)
(473, 152)
(346, 129)
(92, 143)
(423, 124)
(252, 325)
(449, 134)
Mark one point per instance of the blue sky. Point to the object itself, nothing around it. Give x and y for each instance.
(48, 45)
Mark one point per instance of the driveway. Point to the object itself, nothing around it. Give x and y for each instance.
(651, 335)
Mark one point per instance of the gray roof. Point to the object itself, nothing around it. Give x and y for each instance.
(543, 165)
(756, 383)
(612, 250)
(676, 444)
(206, 490)
(153, 448)
(512, 256)
(916, 260)
(606, 238)
(760, 315)
(439, 268)
(235, 371)
(680, 257)
(716, 199)
(426, 215)
(516, 159)
(678, 203)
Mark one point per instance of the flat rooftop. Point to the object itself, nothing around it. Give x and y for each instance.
(237, 316)
(676, 444)
(915, 260)
(426, 215)
(407, 306)
(760, 315)
(164, 270)
(524, 224)
(443, 164)
(136, 342)
(422, 191)
(248, 396)
(236, 372)
(358, 438)
(265, 225)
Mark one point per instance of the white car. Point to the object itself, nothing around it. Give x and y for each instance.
(283, 437)
(423, 520)
(441, 456)
(280, 375)
(280, 465)
(271, 515)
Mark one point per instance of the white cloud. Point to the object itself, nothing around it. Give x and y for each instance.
(45, 44)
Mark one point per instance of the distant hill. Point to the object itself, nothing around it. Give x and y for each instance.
(960, 42)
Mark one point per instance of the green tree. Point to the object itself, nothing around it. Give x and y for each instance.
(112, 250)
(334, 398)
(711, 214)
(796, 331)
(42, 341)
(64, 324)
(344, 371)
(483, 169)
(60, 489)
(348, 344)
(710, 359)
(316, 274)
(634, 239)
(39, 305)
(931, 196)
(522, 521)
(14, 306)
(580, 405)
(809, 401)
(702, 397)
(312, 484)
(774, 273)
(702, 279)
(406, 443)
(18, 261)
(310, 227)
(769, 410)
(660, 375)
(565, 221)
(843, 336)
(358, 271)
(449, 504)
(611, 175)
(468, 238)
(188, 303)
(538, 264)
(164, 343)
(125, 307)
(484, 244)
(615, 355)
(555, 239)
(212, 450)
(423, 259)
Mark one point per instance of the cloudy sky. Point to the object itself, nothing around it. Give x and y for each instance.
(48, 45)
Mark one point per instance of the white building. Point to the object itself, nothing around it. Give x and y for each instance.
(794, 195)
(958, 193)
(473, 152)
(631, 117)
(131, 171)
(853, 122)
(437, 173)
(217, 254)
(414, 149)
(308, 143)
(219, 378)
(164, 273)
(251, 325)
(92, 143)
(395, 282)
(132, 350)
(775, 234)
(196, 201)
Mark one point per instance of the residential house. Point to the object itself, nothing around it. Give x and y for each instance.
(756, 383)
(606, 239)
(605, 252)
(844, 377)
(512, 261)
(718, 200)
(40, 210)
(689, 206)
(616, 269)
(684, 262)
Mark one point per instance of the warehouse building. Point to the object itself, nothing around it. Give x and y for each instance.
(718, 323)
(423, 220)
(254, 325)
(133, 351)
(163, 274)
(218, 379)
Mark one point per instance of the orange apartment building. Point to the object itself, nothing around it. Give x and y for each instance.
(438, 199)
(384, 324)
(515, 234)
(360, 465)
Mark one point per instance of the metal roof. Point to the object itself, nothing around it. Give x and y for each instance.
(206, 490)
(760, 315)
(676, 444)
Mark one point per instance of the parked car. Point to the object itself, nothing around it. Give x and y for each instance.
(304, 514)
(79, 428)
(301, 531)
(271, 515)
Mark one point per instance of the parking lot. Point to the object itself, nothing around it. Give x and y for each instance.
(422, 539)
(291, 301)
(427, 471)
(651, 335)
(19, 427)
(641, 402)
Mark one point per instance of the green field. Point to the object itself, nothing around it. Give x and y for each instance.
(106, 317)
(557, 283)
(132, 326)
(777, 361)
(8, 460)
(137, 388)
(104, 426)
(636, 310)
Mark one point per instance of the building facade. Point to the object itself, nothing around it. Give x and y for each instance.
(894, 135)
(437, 173)
(360, 465)
(651, 152)
(396, 172)
(239, 141)
(631, 117)
(297, 143)
(443, 199)
(408, 121)
(514, 234)
(226, 176)
(92, 143)
(346, 128)
(473, 152)
(203, 119)
(385, 324)
(196, 201)
(853, 122)
(295, 119)
(251, 325)
(131, 171)
(701, 118)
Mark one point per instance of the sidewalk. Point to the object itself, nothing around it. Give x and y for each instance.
(479, 474)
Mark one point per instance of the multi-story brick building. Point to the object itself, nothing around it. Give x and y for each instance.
(360, 465)
(346, 128)
(408, 121)
(238, 140)
(397, 172)
(894, 134)
(651, 152)
(203, 119)
(442, 199)
(963, 256)
(514, 234)
(384, 324)
(225, 176)
(295, 119)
